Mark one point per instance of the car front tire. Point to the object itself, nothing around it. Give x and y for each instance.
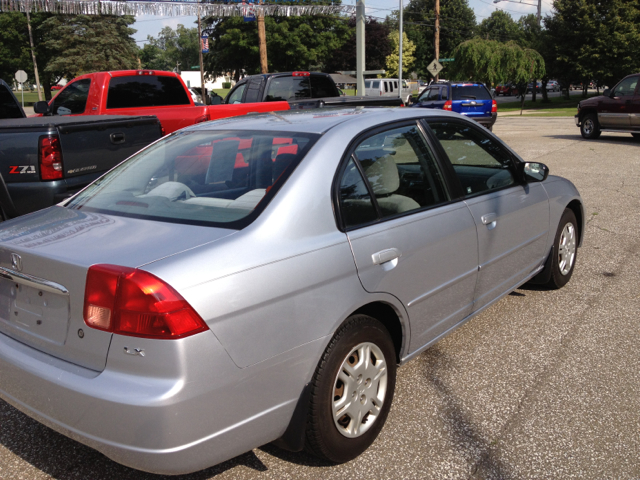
(590, 128)
(351, 391)
(565, 250)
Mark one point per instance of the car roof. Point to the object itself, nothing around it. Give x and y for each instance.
(317, 121)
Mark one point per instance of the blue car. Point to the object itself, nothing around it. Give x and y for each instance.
(472, 100)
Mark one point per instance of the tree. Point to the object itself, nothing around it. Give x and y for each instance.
(293, 43)
(457, 24)
(593, 40)
(171, 48)
(377, 48)
(77, 44)
(14, 54)
(492, 62)
(501, 27)
(393, 60)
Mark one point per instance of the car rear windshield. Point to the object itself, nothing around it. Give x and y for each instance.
(146, 91)
(290, 88)
(217, 178)
(470, 92)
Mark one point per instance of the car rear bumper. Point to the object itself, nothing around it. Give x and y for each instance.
(487, 121)
(187, 416)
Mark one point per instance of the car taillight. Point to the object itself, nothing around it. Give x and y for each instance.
(494, 106)
(50, 156)
(133, 302)
(300, 74)
(448, 105)
(146, 72)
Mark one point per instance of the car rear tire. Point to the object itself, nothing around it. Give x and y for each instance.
(590, 128)
(565, 251)
(351, 390)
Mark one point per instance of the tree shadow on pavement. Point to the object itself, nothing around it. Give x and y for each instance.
(62, 458)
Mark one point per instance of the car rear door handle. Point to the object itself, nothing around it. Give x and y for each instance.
(385, 256)
(488, 218)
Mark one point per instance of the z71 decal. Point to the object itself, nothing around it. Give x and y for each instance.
(22, 169)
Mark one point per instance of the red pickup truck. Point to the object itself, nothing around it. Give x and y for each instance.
(142, 92)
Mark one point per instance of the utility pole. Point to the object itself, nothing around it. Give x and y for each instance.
(360, 47)
(539, 11)
(400, 56)
(202, 90)
(33, 56)
(437, 39)
(262, 40)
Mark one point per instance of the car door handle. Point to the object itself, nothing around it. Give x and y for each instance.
(385, 256)
(488, 219)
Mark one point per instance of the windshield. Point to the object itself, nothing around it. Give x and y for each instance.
(217, 178)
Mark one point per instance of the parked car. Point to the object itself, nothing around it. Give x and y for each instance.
(301, 90)
(507, 89)
(387, 87)
(470, 99)
(46, 160)
(530, 87)
(616, 110)
(553, 86)
(260, 279)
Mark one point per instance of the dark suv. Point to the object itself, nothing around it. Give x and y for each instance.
(616, 110)
(472, 100)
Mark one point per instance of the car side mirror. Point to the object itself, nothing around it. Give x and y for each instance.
(42, 107)
(607, 92)
(534, 171)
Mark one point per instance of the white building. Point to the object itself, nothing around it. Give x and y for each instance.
(192, 79)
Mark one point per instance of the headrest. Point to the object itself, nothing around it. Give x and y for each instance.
(223, 159)
(383, 175)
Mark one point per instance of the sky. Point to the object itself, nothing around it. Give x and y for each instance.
(151, 25)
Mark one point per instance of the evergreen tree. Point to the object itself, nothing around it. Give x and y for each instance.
(501, 27)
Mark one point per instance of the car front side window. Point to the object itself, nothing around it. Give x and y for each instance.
(73, 99)
(479, 162)
(236, 95)
(626, 88)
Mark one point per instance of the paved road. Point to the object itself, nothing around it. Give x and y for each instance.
(541, 385)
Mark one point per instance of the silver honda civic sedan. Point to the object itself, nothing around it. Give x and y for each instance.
(259, 279)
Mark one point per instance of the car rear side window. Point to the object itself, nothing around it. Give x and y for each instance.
(8, 106)
(479, 162)
(401, 176)
(470, 92)
(73, 99)
(146, 91)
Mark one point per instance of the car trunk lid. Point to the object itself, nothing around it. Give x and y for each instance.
(44, 258)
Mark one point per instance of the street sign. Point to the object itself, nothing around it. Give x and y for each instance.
(446, 60)
(434, 68)
(21, 76)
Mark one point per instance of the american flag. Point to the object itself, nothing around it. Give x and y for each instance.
(204, 43)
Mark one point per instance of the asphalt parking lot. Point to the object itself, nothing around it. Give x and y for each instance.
(544, 384)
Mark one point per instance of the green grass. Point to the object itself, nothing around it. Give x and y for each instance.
(560, 106)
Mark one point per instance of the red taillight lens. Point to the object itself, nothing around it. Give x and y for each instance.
(50, 158)
(300, 74)
(494, 106)
(448, 105)
(134, 302)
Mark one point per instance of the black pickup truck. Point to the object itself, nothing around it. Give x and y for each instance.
(301, 90)
(44, 160)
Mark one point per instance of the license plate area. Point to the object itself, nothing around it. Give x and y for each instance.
(32, 312)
